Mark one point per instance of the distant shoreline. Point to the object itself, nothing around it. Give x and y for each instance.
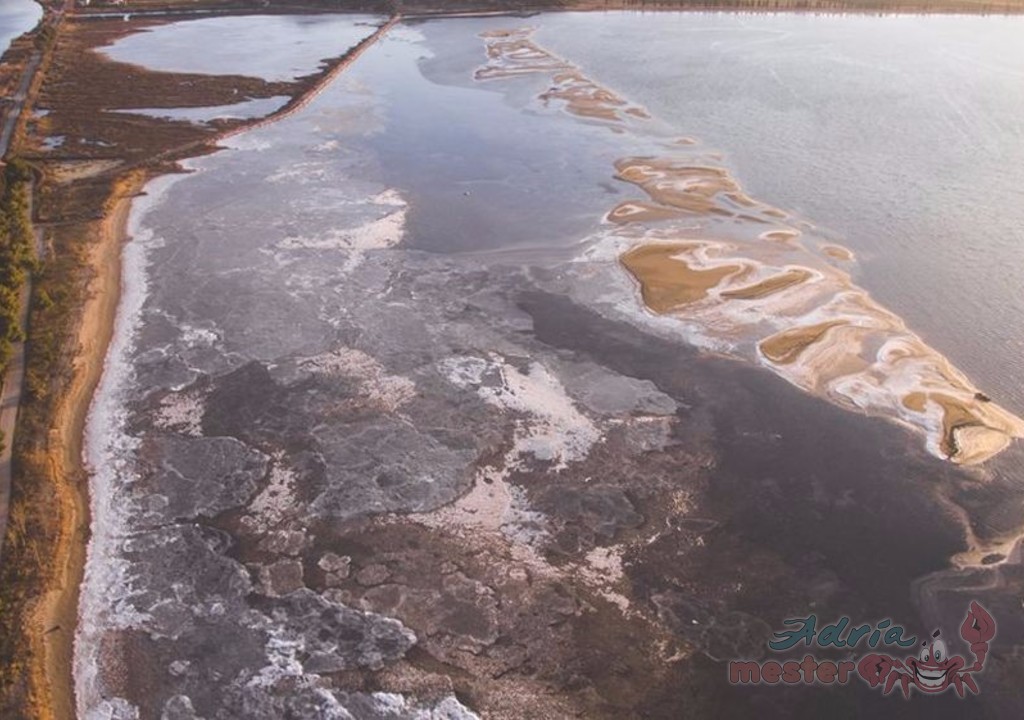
(414, 11)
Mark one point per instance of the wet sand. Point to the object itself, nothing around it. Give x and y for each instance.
(785, 347)
(838, 252)
(667, 282)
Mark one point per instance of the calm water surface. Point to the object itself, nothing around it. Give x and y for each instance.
(902, 135)
(17, 17)
(273, 47)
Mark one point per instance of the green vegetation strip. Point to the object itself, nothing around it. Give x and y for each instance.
(16, 256)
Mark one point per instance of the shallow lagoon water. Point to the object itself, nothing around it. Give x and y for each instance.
(341, 316)
(902, 135)
(247, 109)
(272, 47)
(17, 17)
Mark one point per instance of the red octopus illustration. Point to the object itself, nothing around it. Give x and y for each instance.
(934, 671)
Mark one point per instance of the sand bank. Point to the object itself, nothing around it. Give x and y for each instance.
(761, 294)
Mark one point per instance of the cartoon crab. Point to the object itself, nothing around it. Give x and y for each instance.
(934, 671)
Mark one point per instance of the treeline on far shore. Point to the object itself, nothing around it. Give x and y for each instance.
(16, 256)
(450, 6)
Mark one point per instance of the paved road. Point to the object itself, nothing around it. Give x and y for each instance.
(13, 382)
(13, 385)
(10, 399)
(18, 102)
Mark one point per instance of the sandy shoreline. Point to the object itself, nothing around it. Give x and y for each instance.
(56, 613)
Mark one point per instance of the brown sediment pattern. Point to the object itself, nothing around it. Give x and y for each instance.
(686, 187)
(512, 52)
(780, 236)
(776, 283)
(585, 99)
(639, 211)
(785, 347)
(762, 294)
(838, 252)
(669, 282)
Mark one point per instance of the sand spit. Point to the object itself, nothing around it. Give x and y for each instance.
(811, 325)
(584, 98)
(693, 189)
(761, 294)
(513, 52)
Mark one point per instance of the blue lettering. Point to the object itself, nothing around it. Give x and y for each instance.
(832, 634)
(895, 635)
(789, 638)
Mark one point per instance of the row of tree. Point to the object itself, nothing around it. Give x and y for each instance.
(16, 256)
